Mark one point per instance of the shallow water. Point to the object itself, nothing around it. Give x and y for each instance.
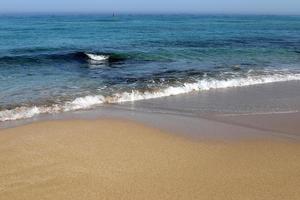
(52, 64)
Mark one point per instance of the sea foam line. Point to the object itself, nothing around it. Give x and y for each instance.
(91, 101)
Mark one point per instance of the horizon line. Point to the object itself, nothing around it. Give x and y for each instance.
(143, 13)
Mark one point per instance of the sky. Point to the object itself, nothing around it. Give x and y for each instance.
(153, 6)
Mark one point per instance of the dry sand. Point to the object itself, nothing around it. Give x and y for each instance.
(113, 159)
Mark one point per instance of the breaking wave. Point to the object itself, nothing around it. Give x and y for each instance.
(63, 57)
(97, 57)
(88, 102)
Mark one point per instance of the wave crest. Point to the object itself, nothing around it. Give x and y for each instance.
(63, 57)
(97, 57)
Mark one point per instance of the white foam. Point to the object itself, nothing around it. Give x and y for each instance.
(22, 113)
(206, 84)
(135, 95)
(83, 103)
(28, 112)
(97, 57)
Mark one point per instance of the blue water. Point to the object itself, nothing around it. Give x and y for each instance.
(68, 62)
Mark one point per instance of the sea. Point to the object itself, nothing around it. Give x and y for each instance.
(59, 63)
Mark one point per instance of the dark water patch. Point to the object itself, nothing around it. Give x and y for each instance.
(236, 68)
(178, 73)
(33, 50)
(7, 60)
(248, 64)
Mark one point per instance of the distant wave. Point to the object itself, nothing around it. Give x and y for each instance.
(136, 95)
(63, 57)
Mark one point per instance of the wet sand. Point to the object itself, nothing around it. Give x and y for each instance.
(119, 159)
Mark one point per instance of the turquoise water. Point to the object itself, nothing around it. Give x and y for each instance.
(60, 63)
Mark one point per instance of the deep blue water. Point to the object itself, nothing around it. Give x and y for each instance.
(60, 63)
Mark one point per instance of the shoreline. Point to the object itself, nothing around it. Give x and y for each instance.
(121, 159)
(259, 107)
(135, 97)
(141, 151)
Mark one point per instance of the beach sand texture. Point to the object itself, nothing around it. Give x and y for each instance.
(115, 159)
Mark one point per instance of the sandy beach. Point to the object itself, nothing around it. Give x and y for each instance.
(119, 159)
